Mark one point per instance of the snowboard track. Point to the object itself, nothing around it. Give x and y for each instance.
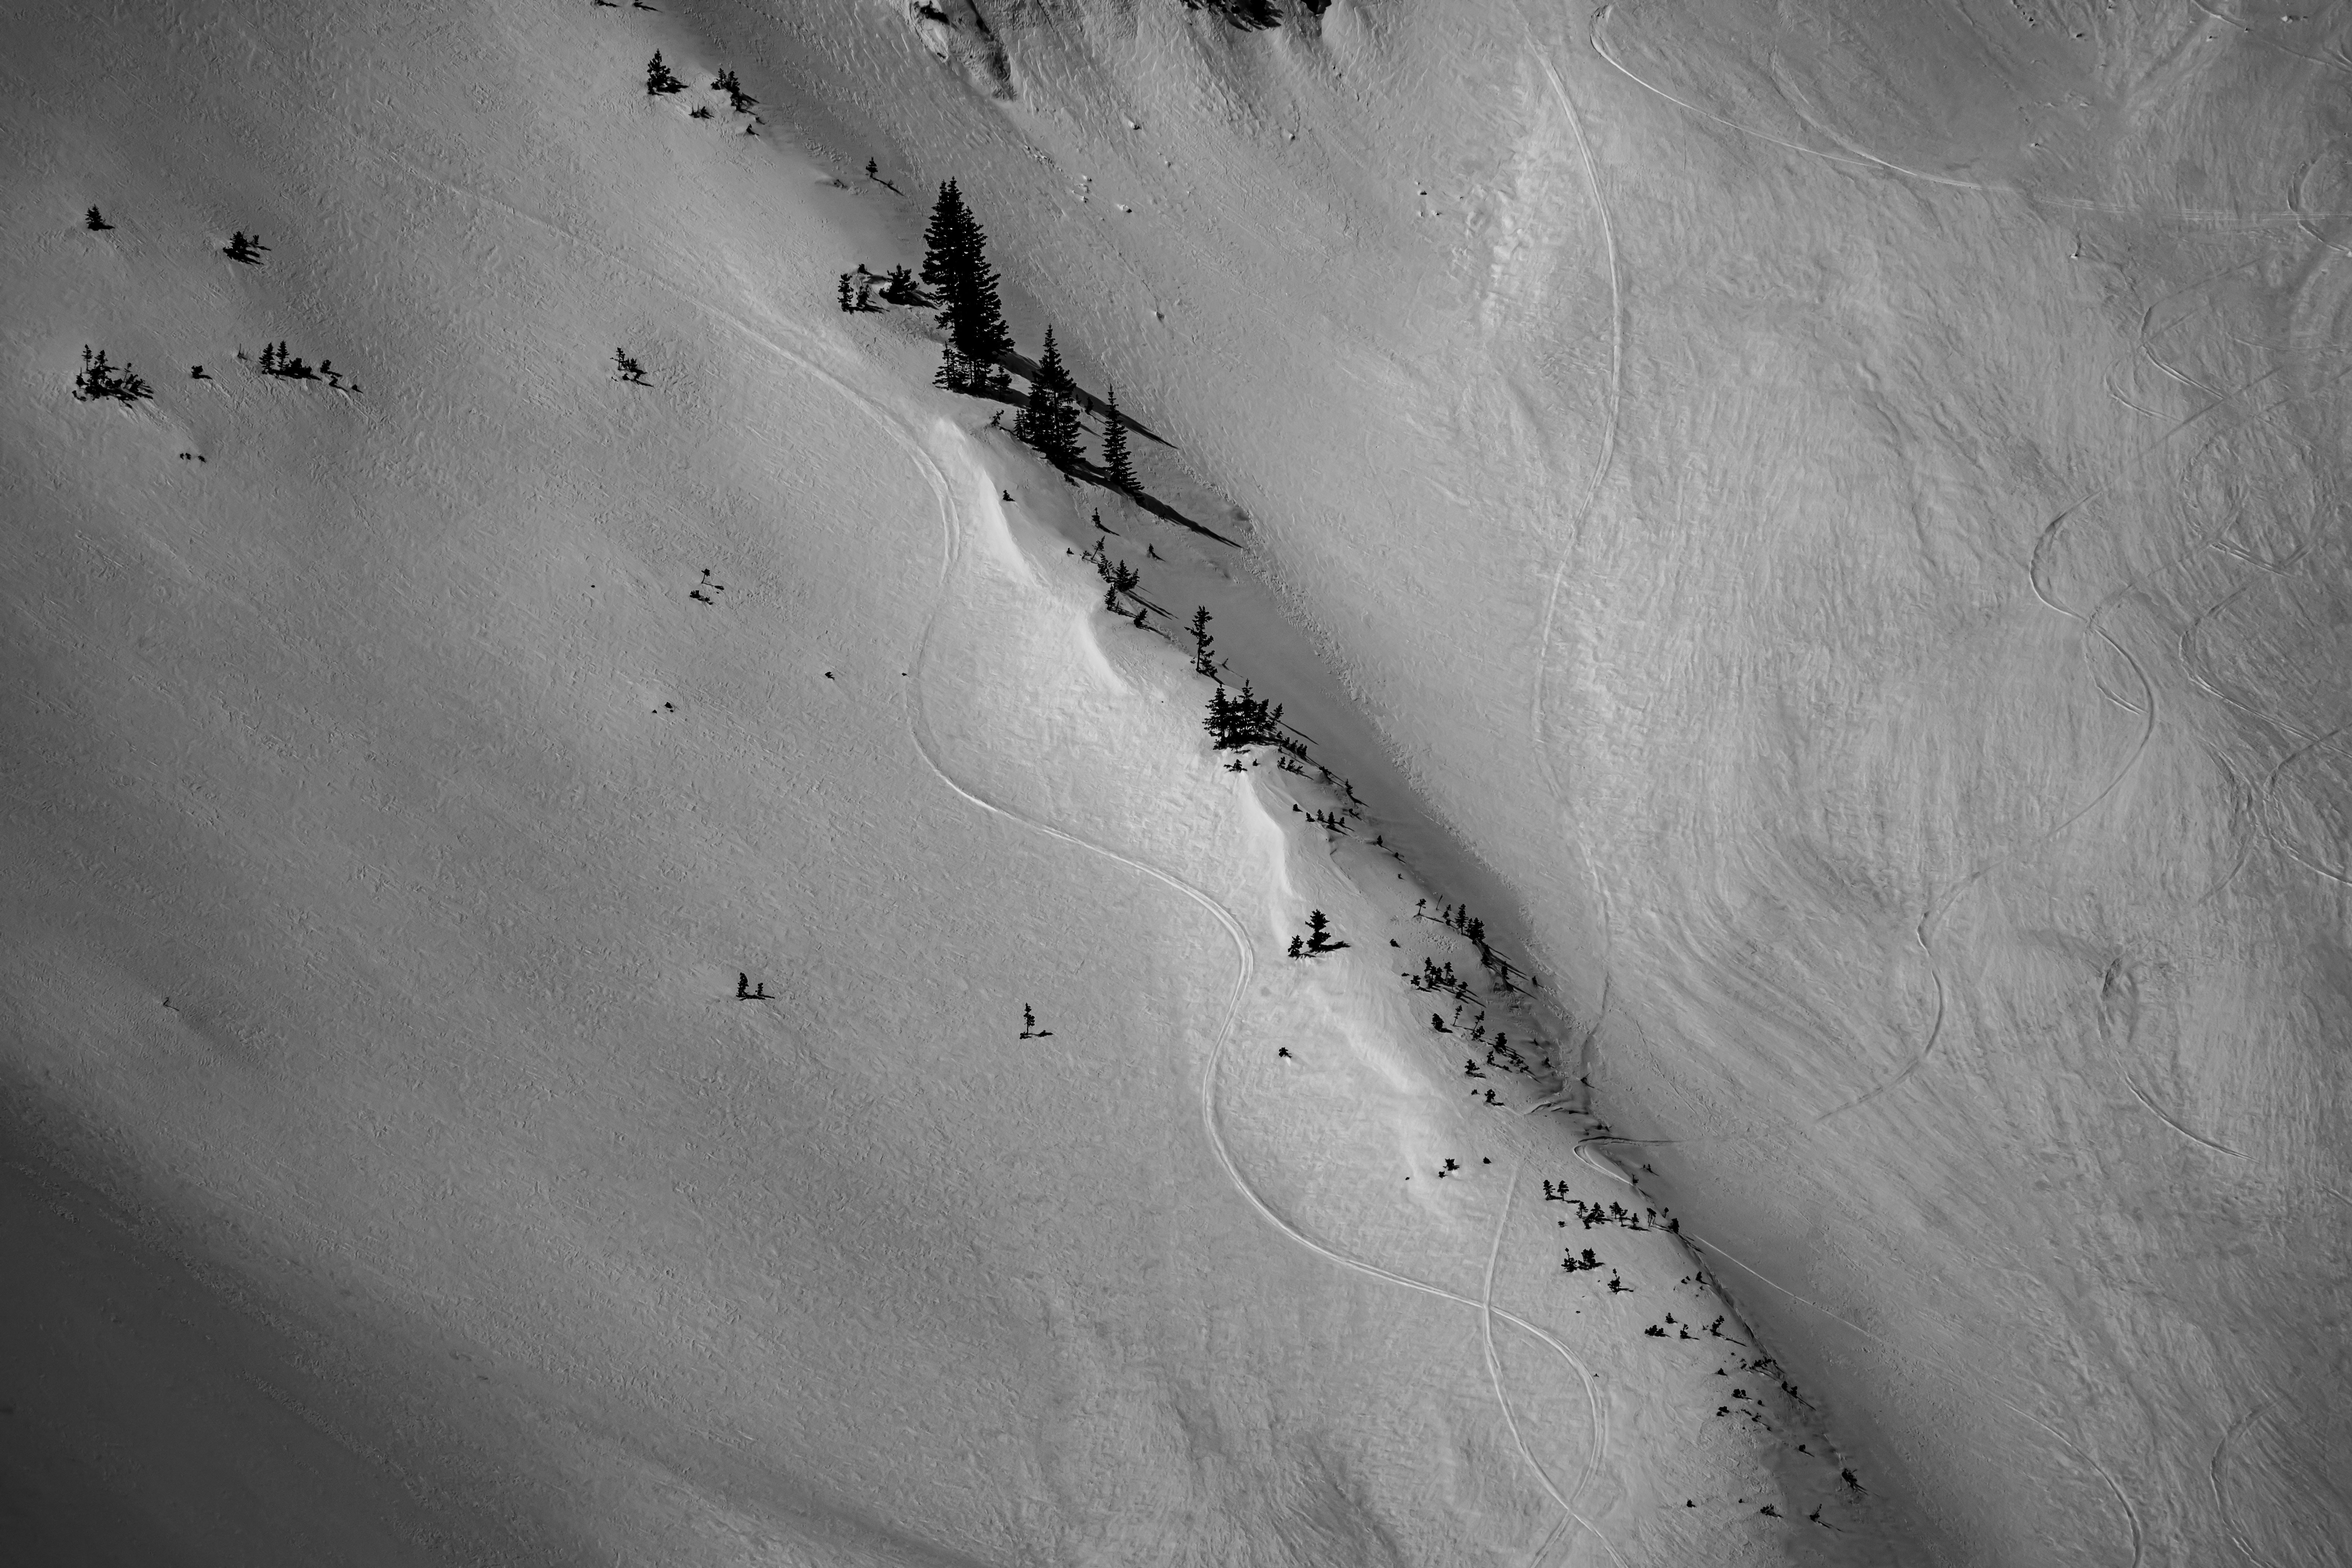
(893, 427)
(1223, 1039)
(1602, 463)
(2220, 1502)
(1959, 1380)
(1870, 164)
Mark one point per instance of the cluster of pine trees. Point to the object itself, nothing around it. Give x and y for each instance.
(1243, 719)
(956, 270)
(98, 379)
(732, 85)
(276, 359)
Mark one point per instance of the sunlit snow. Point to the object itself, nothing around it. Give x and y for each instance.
(1817, 524)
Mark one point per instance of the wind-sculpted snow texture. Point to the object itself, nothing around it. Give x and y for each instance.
(1831, 509)
(1837, 504)
(608, 957)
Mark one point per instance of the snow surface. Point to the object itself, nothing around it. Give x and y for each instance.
(1816, 520)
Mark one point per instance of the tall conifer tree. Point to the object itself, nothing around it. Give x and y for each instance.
(955, 268)
(979, 316)
(1115, 458)
(956, 271)
(1050, 422)
(943, 240)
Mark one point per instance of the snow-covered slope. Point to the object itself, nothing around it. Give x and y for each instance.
(1831, 510)
(1837, 504)
(402, 769)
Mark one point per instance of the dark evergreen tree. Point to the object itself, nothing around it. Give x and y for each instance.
(900, 288)
(93, 221)
(958, 373)
(945, 239)
(843, 294)
(955, 266)
(1203, 660)
(660, 79)
(1116, 462)
(1050, 420)
(977, 316)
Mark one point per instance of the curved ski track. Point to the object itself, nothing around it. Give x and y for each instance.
(1223, 1039)
(1867, 162)
(893, 427)
(1602, 463)
(2221, 1503)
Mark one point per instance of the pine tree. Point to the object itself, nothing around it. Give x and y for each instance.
(1064, 434)
(1219, 717)
(944, 240)
(1115, 458)
(1050, 421)
(93, 221)
(1203, 661)
(660, 79)
(979, 316)
(1318, 935)
(956, 373)
(844, 294)
(955, 265)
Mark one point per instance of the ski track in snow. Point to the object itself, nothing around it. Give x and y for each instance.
(1213, 1070)
(2090, 622)
(2220, 1502)
(1495, 1376)
(893, 427)
(2131, 1514)
(1868, 161)
(1601, 465)
(2333, 62)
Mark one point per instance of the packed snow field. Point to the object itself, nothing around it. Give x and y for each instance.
(633, 968)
